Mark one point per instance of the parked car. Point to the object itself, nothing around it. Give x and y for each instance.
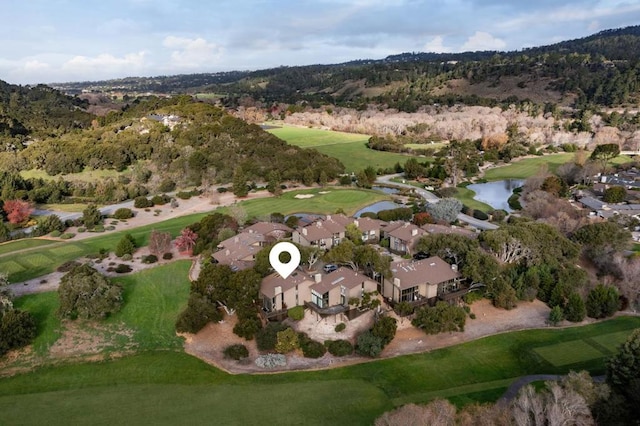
(330, 267)
(420, 255)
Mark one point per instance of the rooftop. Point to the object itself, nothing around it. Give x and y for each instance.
(432, 270)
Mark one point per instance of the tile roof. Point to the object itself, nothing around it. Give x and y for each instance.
(238, 247)
(444, 229)
(407, 232)
(345, 277)
(272, 282)
(366, 224)
(266, 228)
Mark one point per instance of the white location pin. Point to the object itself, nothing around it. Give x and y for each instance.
(284, 269)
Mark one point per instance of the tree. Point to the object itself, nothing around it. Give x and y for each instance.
(413, 169)
(91, 216)
(18, 211)
(367, 344)
(438, 412)
(440, 318)
(240, 188)
(343, 254)
(287, 341)
(5, 234)
(422, 218)
(385, 328)
(556, 405)
(555, 186)
(623, 370)
(199, 312)
(17, 329)
(604, 153)
(123, 213)
(445, 210)
(575, 310)
(85, 293)
(323, 179)
(556, 315)
(353, 233)
(273, 183)
(49, 223)
(602, 301)
(126, 245)
(186, 241)
(159, 243)
(614, 194)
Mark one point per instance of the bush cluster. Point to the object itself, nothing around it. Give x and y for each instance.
(123, 213)
(236, 352)
(296, 313)
(339, 347)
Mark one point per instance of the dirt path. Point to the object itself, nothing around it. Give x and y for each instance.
(515, 387)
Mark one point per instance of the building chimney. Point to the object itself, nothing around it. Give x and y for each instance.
(304, 231)
(414, 232)
(356, 223)
(454, 267)
(318, 277)
(396, 282)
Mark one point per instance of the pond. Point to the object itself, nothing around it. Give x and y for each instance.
(378, 207)
(496, 193)
(386, 189)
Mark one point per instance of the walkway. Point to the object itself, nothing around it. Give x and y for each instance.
(515, 387)
(430, 197)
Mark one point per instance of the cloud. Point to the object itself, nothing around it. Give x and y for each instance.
(483, 41)
(191, 52)
(35, 66)
(105, 64)
(436, 46)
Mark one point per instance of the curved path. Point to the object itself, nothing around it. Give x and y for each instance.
(430, 197)
(515, 387)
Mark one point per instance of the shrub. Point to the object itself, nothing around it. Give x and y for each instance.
(339, 347)
(167, 185)
(67, 266)
(17, 329)
(123, 268)
(167, 256)
(340, 327)
(369, 345)
(247, 326)
(126, 245)
(55, 234)
(110, 228)
(440, 318)
(98, 228)
(142, 202)
(287, 341)
(296, 313)
(127, 257)
(123, 213)
(556, 315)
(160, 200)
(82, 229)
(222, 190)
(385, 328)
(480, 215)
(498, 215)
(267, 337)
(199, 312)
(313, 349)
(151, 258)
(403, 309)
(236, 352)
(67, 235)
(575, 310)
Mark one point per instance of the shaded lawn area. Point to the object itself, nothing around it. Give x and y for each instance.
(160, 387)
(522, 169)
(45, 256)
(349, 148)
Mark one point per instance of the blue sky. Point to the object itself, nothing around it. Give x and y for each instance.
(69, 40)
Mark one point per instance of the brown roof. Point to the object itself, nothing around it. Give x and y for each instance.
(366, 224)
(407, 232)
(392, 226)
(271, 282)
(432, 270)
(444, 229)
(322, 229)
(342, 276)
(238, 247)
(339, 218)
(266, 228)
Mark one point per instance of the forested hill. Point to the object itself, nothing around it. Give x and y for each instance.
(38, 111)
(602, 69)
(173, 139)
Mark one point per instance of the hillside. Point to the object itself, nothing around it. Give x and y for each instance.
(601, 69)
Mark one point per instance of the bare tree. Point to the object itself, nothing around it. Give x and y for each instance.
(528, 407)
(630, 283)
(438, 412)
(159, 243)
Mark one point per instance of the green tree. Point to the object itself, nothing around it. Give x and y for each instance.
(575, 310)
(85, 293)
(623, 371)
(367, 344)
(323, 179)
(556, 315)
(126, 245)
(91, 216)
(353, 233)
(439, 319)
(604, 153)
(287, 341)
(240, 188)
(615, 194)
(385, 328)
(308, 177)
(17, 329)
(445, 210)
(602, 301)
(199, 312)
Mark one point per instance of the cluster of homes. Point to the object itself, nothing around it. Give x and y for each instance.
(630, 180)
(336, 292)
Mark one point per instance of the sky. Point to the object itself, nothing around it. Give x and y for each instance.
(47, 41)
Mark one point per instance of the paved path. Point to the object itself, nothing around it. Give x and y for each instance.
(515, 387)
(430, 197)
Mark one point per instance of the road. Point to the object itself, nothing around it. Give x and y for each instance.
(430, 197)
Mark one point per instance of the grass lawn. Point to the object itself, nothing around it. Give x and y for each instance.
(87, 175)
(522, 169)
(466, 196)
(164, 387)
(349, 148)
(68, 208)
(35, 260)
(435, 145)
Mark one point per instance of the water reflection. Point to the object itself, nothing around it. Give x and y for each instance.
(497, 193)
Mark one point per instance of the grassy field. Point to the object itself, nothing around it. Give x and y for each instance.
(349, 148)
(435, 145)
(522, 169)
(26, 259)
(466, 196)
(167, 387)
(87, 175)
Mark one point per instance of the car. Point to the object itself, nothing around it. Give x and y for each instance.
(330, 267)
(420, 255)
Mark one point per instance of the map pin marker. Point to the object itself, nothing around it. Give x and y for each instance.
(284, 269)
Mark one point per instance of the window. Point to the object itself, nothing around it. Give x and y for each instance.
(321, 300)
(409, 295)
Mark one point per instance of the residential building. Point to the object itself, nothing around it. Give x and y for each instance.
(424, 280)
(403, 238)
(371, 229)
(324, 233)
(279, 293)
(336, 289)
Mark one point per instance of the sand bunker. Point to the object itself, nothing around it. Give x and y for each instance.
(303, 196)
